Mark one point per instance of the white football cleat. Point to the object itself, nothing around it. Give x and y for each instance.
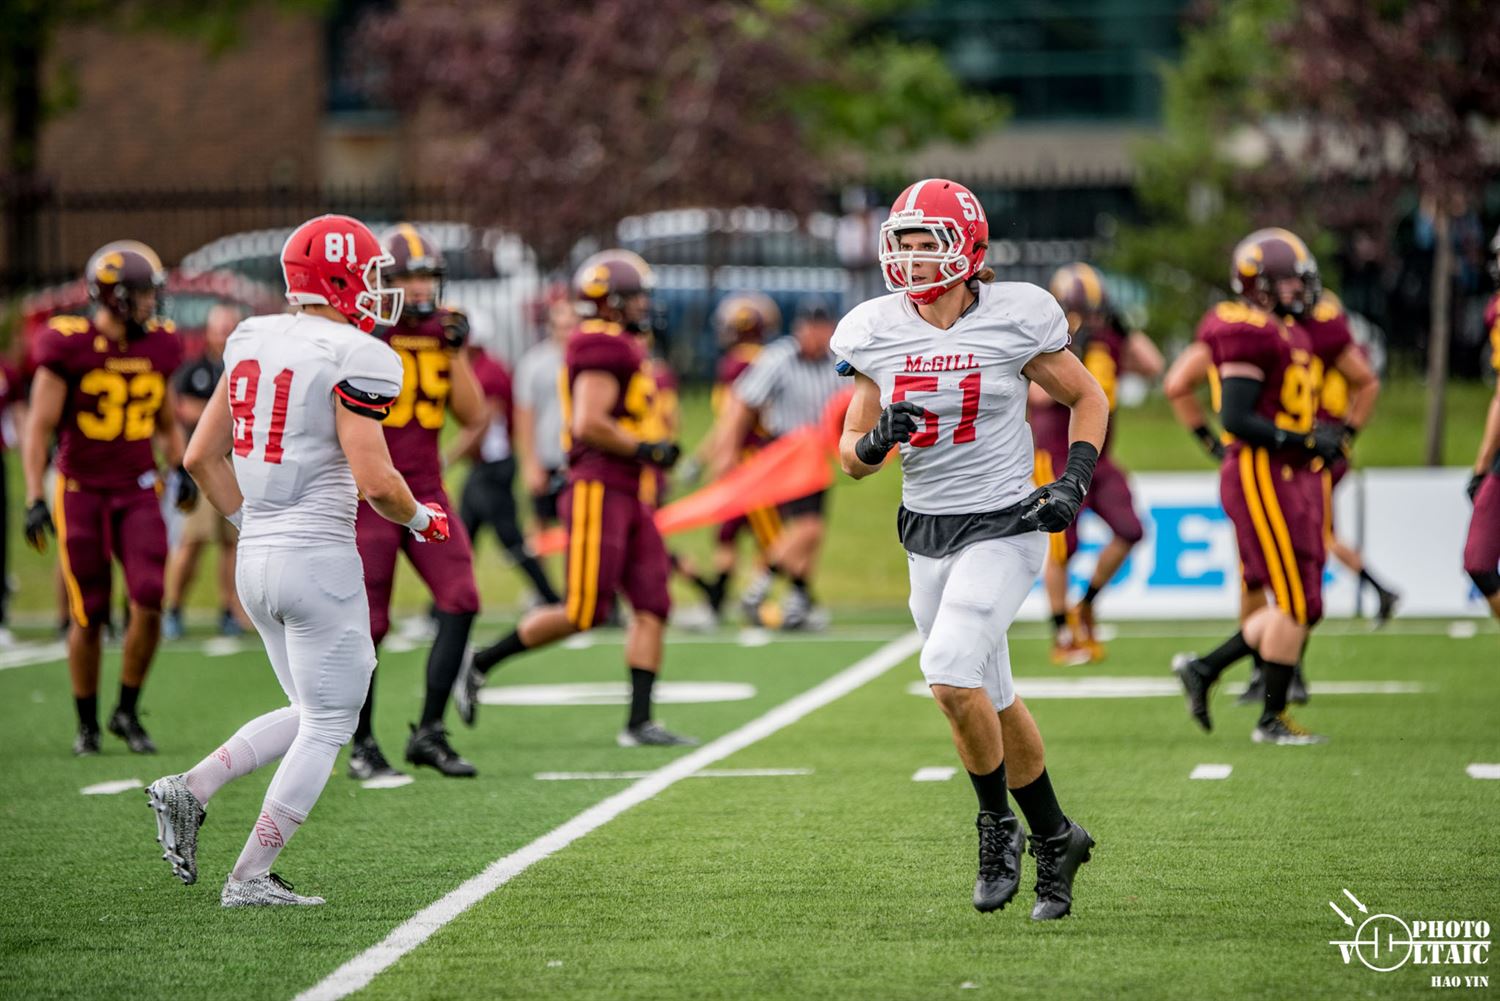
(178, 817)
(269, 890)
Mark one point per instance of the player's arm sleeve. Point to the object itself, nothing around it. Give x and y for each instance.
(601, 353)
(845, 346)
(370, 380)
(1240, 418)
(51, 352)
(757, 383)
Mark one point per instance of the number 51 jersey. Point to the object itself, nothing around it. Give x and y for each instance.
(972, 452)
(284, 373)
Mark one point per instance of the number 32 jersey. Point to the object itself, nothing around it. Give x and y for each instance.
(115, 391)
(281, 373)
(972, 452)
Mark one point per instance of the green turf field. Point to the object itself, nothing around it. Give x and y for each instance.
(847, 879)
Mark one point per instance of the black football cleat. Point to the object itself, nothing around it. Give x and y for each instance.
(127, 726)
(366, 761)
(1387, 608)
(1285, 731)
(1255, 692)
(1057, 861)
(1297, 693)
(653, 734)
(466, 690)
(1001, 842)
(1196, 688)
(429, 746)
(86, 744)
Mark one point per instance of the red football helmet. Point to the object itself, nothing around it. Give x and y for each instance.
(1268, 256)
(1080, 291)
(119, 270)
(415, 253)
(746, 318)
(335, 260)
(953, 216)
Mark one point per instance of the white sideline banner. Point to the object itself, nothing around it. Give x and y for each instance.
(1410, 525)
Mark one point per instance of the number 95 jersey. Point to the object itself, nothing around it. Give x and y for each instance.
(1283, 352)
(972, 452)
(283, 374)
(115, 391)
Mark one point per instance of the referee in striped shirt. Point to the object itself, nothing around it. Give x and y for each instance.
(787, 387)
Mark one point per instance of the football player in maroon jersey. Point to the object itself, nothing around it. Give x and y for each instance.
(1269, 379)
(431, 341)
(613, 543)
(103, 386)
(1108, 350)
(1482, 548)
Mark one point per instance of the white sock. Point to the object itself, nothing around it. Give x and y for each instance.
(259, 742)
(273, 829)
(295, 788)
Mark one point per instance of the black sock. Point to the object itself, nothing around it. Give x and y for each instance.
(443, 662)
(991, 791)
(1365, 576)
(1278, 680)
(509, 646)
(1039, 803)
(128, 698)
(365, 726)
(88, 710)
(1058, 621)
(1218, 659)
(641, 681)
(800, 583)
(1091, 593)
(716, 590)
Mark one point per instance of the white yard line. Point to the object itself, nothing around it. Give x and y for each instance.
(934, 773)
(707, 773)
(1211, 772)
(359, 971)
(25, 656)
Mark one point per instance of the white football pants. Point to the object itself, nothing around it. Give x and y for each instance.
(310, 609)
(964, 603)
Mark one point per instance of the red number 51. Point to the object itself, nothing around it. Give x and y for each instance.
(963, 432)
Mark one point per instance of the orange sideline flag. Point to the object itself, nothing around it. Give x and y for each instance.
(792, 466)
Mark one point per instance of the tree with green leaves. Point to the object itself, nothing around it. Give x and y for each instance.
(572, 116)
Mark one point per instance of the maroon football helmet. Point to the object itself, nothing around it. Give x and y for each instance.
(616, 285)
(1269, 256)
(415, 253)
(1080, 291)
(746, 318)
(126, 279)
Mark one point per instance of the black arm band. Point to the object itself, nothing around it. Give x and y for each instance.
(868, 452)
(1240, 419)
(367, 404)
(1081, 459)
(1203, 434)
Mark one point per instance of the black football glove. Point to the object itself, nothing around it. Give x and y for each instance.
(658, 453)
(898, 422)
(1329, 442)
(1475, 482)
(187, 494)
(455, 329)
(1210, 442)
(1052, 508)
(38, 524)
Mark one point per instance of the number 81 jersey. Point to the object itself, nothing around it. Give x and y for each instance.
(972, 452)
(116, 389)
(284, 376)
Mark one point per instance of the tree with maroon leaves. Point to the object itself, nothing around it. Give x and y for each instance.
(571, 115)
(1401, 91)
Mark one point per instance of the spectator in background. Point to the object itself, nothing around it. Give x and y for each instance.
(787, 387)
(489, 492)
(538, 410)
(195, 382)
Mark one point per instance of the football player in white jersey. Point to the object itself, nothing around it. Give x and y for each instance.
(942, 368)
(295, 409)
